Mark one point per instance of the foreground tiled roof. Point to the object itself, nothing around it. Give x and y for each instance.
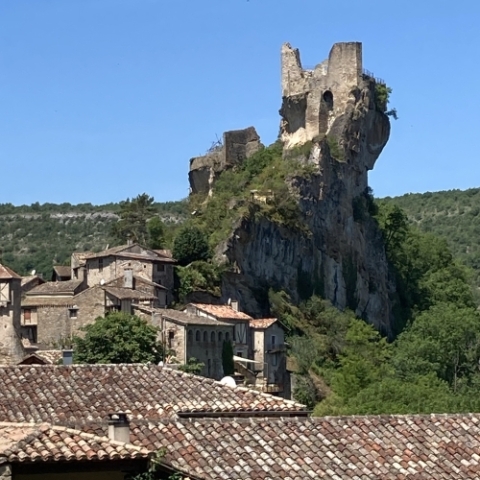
(45, 443)
(222, 311)
(7, 273)
(262, 323)
(72, 395)
(56, 288)
(371, 448)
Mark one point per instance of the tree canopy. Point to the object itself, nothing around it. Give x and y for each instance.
(190, 245)
(118, 338)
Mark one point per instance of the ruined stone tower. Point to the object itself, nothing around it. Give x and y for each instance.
(11, 349)
(313, 98)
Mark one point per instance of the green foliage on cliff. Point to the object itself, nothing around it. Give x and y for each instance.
(431, 365)
(257, 189)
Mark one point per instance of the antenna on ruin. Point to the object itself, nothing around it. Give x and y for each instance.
(228, 381)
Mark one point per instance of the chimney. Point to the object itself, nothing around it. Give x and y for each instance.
(118, 427)
(67, 357)
(234, 305)
(128, 278)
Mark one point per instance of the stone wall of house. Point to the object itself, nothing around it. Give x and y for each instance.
(175, 339)
(205, 343)
(11, 349)
(54, 326)
(91, 304)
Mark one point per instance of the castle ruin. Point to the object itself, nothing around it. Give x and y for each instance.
(312, 99)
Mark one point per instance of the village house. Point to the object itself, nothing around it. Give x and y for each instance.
(112, 280)
(200, 331)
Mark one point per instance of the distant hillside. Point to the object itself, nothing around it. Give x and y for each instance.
(36, 237)
(452, 214)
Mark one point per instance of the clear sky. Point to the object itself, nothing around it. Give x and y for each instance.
(104, 99)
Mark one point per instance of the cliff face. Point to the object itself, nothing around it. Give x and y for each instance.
(342, 257)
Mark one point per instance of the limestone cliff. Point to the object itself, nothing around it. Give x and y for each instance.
(331, 111)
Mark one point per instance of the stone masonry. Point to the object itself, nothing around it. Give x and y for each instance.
(237, 146)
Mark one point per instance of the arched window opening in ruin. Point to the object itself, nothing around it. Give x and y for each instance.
(220, 336)
(328, 99)
(197, 336)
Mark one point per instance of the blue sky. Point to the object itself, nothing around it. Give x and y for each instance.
(104, 99)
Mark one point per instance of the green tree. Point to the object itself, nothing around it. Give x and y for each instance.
(227, 358)
(190, 245)
(118, 338)
(192, 366)
(134, 215)
(156, 233)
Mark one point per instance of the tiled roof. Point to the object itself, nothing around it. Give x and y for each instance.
(189, 319)
(222, 311)
(70, 395)
(128, 293)
(56, 288)
(63, 270)
(341, 448)
(7, 273)
(50, 357)
(164, 252)
(262, 323)
(23, 442)
(30, 278)
(47, 301)
(128, 251)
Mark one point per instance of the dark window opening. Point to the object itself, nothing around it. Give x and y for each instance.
(171, 336)
(100, 264)
(328, 99)
(212, 337)
(197, 336)
(72, 312)
(205, 337)
(220, 336)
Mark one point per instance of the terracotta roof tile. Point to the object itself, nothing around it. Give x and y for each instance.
(262, 323)
(24, 442)
(56, 288)
(70, 395)
(374, 448)
(7, 273)
(222, 311)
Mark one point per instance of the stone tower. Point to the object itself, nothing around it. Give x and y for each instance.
(313, 98)
(11, 349)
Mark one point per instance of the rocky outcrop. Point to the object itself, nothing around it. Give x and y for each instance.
(342, 257)
(237, 145)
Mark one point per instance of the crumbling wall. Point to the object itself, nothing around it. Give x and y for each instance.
(237, 146)
(312, 99)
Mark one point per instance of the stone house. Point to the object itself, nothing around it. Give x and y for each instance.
(11, 348)
(61, 273)
(185, 335)
(267, 339)
(103, 267)
(54, 312)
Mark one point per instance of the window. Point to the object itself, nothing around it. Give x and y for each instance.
(220, 336)
(160, 267)
(100, 264)
(234, 334)
(239, 354)
(273, 340)
(190, 336)
(171, 336)
(212, 337)
(205, 337)
(72, 312)
(274, 360)
(227, 337)
(197, 336)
